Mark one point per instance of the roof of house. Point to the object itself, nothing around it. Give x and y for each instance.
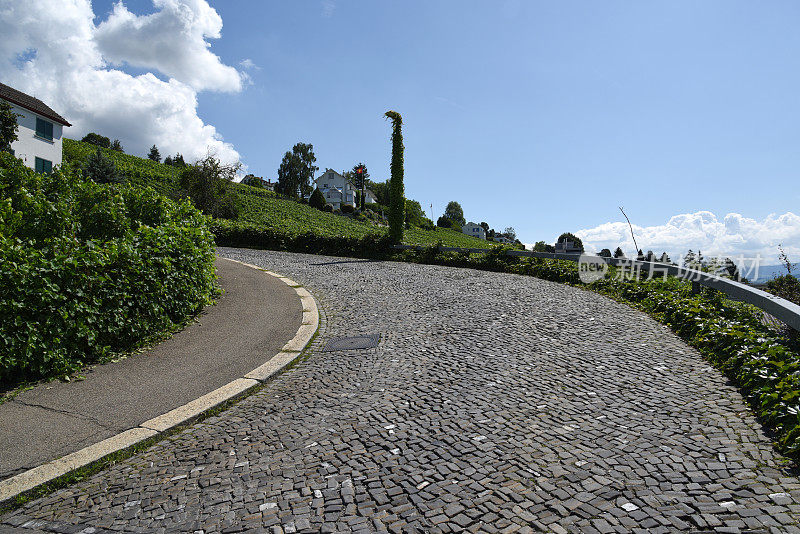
(30, 103)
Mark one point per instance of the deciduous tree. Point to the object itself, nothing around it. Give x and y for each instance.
(8, 126)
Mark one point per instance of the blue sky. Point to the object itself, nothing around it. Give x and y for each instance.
(544, 116)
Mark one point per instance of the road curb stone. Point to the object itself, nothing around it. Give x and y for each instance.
(47, 472)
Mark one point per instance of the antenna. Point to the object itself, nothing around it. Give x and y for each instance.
(631, 226)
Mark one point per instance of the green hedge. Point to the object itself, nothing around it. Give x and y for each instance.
(242, 234)
(87, 270)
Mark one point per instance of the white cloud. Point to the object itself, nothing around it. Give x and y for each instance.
(328, 7)
(733, 236)
(249, 64)
(172, 40)
(63, 65)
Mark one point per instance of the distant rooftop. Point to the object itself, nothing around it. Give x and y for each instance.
(30, 103)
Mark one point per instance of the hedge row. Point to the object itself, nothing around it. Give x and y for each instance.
(241, 234)
(87, 270)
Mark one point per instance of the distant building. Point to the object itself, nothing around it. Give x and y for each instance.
(336, 189)
(369, 197)
(40, 129)
(475, 230)
(257, 181)
(567, 247)
(502, 239)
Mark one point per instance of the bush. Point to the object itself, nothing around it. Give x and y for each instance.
(317, 200)
(87, 270)
(237, 234)
(347, 208)
(206, 183)
(100, 169)
(328, 208)
(786, 286)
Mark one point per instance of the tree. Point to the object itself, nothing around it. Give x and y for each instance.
(510, 233)
(541, 246)
(8, 126)
(444, 222)
(297, 170)
(253, 181)
(567, 236)
(485, 227)
(101, 169)
(317, 199)
(454, 212)
(605, 253)
(396, 188)
(414, 214)
(618, 253)
(168, 160)
(664, 258)
(154, 154)
(116, 145)
(97, 139)
(206, 183)
(381, 190)
(358, 179)
(177, 161)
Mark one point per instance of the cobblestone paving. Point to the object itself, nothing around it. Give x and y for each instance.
(494, 403)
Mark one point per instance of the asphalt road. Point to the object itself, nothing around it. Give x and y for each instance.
(256, 315)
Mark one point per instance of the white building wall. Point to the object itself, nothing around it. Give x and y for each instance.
(28, 146)
(475, 230)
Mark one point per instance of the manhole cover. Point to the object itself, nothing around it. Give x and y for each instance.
(352, 343)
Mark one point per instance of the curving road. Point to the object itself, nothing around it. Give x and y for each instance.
(494, 403)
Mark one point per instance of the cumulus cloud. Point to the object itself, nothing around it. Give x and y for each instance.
(172, 40)
(50, 49)
(734, 235)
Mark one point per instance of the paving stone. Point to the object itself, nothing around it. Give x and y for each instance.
(493, 403)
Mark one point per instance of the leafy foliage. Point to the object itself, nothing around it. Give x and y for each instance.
(96, 139)
(87, 269)
(455, 214)
(317, 199)
(8, 126)
(568, 236)
(100, 169)
(116, 145)
(396, 188)
(206, 183)
(261, 207)
(297, 170)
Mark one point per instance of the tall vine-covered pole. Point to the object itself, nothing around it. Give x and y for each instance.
(397, 201)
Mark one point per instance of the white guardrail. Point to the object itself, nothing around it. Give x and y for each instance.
(782, 309)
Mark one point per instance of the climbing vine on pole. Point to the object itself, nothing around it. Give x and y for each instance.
(397, 200)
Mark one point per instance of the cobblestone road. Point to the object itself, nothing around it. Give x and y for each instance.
(494, 403)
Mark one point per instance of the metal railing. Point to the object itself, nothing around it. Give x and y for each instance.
(784, 310)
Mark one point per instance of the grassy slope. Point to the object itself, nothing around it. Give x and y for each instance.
(262, 207)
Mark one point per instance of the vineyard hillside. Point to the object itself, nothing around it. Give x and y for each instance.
(262, 207)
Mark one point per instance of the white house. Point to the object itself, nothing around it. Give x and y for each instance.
(336, 189)
(475, 230)
(40, 128)
(369, 197)
(502, 239)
